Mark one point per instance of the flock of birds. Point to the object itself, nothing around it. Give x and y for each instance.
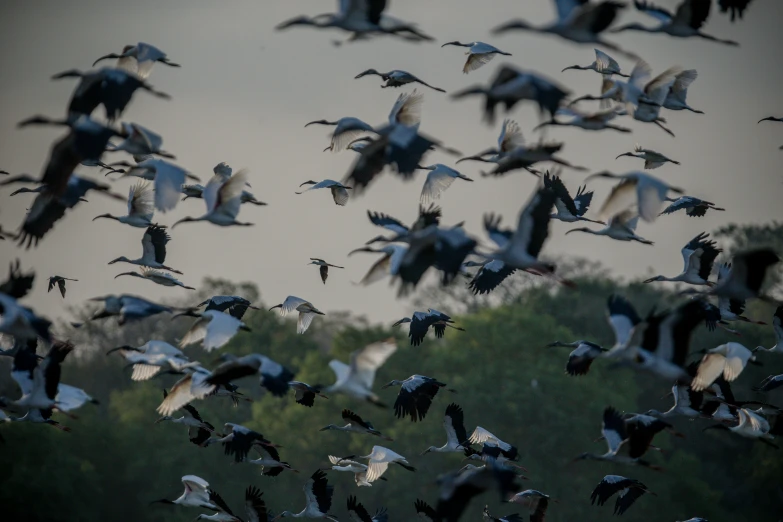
(657, 344)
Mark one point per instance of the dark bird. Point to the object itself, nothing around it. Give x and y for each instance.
(60, 282)
(422, 321)
(323, 267)
(305, 394)
(112, 88)
(415, 397)
(629, 491)
(355, 424)
(735, 8)
(510, 86)
(396, 78)
(694, 207)
(582, 357)
(685, 22)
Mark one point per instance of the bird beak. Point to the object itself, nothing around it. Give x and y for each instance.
(385, 386)
(160, 420)
(649, 280)
(425, 451)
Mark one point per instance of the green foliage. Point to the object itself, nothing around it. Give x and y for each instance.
(117, 460)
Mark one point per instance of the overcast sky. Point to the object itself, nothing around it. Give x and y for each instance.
(245, 91)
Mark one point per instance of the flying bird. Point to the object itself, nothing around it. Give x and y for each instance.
(456, 436)
(420, 323)
(478, 53)
(139, 59)
(694, 207)
(356, 378)
(213, 329)
(153, 244)
(355, 424)
(397, 78)
(318, 494)
(305, 309)
(223, 197)
(699, 256)
(440, 178)
(603, 64)
(60, 282)
(652, 159)
(685, 22)
(646, 192)
(415, 397)
(323, 267)
(629, 491)
(338, 190)
(141, 207)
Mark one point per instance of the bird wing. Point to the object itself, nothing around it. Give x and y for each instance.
(564, 203)
(622, 197)
(340, 195)
(711, 366)
(153, 243)
(179, 395)
(291, 303)
(510, 136)
(357, 511)
(651, 194)
(385, 221)
(230, 194)
(628, 497)
(303, 322)
(196, 333)
(220, 329)
(195, 484)
(736, 359)
(407, 109)
(605, 62)
(622, 318)
(366, 361)
(692, 13)
(678, 204)
(533, 223)
(375, 470)
(608, 486)
(566, 7)
(679, 88)
(169, 179)
(341, 371)
(613, 429)
(582, 200)
(437, 181)
(255, 507)
(475, 61)
(659, 13)
(454, 424)
(144, 372)
(640, 74)
(141, 200)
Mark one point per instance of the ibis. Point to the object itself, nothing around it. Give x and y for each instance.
(652, 159)
(141, 207)
(397, 78)
(603, 64)
(415, 396)
(213, 329)
(223, 197)
(339, 191)
(478, 53)
(698, 255)
(157, 277)
(153, 244)
(318, 493)
(628, 490)
(356, 378)
(323, 267)
(139, 59)
(355, 424)
(456, 436)
(420, 323)
(694, 207)
(60, 282)
(440, 178)
(636, 188)
(305, 309)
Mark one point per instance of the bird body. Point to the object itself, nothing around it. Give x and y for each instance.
(356, 378)
(698, 256)
(438, 180)
(652, 159)
(223, 197)
(338, 190)
(214, 329)
(396, 78)
(603, 64)
(153, 244)
(305, 309)
(456, 436)
(479, 53)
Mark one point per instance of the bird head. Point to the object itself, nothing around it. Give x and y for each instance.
(455, 42)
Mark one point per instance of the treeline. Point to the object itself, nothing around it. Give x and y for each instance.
(116, 459)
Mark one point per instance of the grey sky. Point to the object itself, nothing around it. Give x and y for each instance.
(244, 93)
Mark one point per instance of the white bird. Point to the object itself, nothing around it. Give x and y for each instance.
(603, 64)
(318, 494)
(686, 22)
(577, 21)
(483, 436)
(153, 244)
(197, 494)
(379, 460)
(684, 398)
(223, 197)
(438, 180)
(479, 53)
(652, 159)
(623, 320)
(214, 329)
(621, 227)
(698, 255)
(357, 377)
(613, 430)
(151, 357)
(358, 469)
(678, 92)
(749, 425)
(777, 326)
(456, 436)
(69, 398)
(535, 501)
(727, 359)
(139, 59)
(157, 277)
(305, 309)
(635, 188)
(338, 190)
(168, 179)
(745, 276)
(141, 207)
(38, 381)
(346, 131)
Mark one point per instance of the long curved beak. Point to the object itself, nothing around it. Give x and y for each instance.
(105, 57)
(649, 280)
